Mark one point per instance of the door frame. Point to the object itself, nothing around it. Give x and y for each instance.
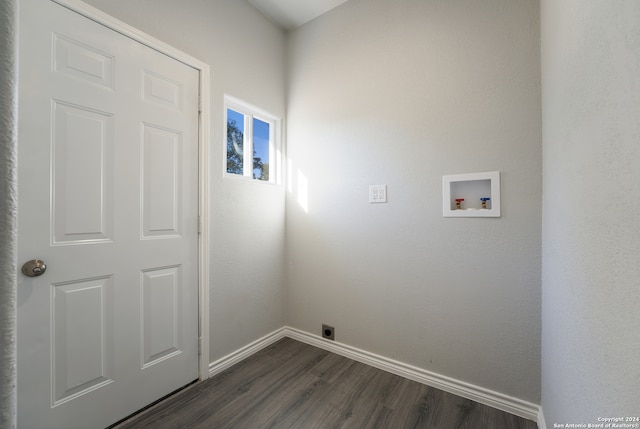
(204, 165)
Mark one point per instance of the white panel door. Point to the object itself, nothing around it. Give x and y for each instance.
(108, 199)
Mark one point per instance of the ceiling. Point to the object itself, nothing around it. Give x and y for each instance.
(290, 14)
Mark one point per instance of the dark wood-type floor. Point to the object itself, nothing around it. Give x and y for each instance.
(294, 385)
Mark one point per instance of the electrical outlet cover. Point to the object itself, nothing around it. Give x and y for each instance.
(328, 332)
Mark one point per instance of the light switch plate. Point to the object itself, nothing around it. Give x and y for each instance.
(378, 193)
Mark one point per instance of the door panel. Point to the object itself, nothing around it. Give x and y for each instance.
(161, 314)
(83, 342)
(83, 62)
(162, 171)
(108, 198)
(82, 174)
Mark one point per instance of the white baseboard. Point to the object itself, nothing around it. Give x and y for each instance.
(509, 404)
(542, 423)
(231, 359)
(479, 394)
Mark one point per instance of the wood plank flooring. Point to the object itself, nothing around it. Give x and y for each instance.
(294, 385)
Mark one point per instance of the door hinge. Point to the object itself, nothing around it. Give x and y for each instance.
(199, 225)
(199, 346)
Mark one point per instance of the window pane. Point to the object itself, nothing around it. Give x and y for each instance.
(235, 141)
(261, 155)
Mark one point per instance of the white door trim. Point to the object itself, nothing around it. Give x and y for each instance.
(203, 157)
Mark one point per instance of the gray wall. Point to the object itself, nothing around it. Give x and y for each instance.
(402, 93)
(591, 229)
(8, 211)
(246, 55)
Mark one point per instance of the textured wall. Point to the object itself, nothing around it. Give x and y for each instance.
(401, 93)
(246, 55)
(591, 228)
(8, 212)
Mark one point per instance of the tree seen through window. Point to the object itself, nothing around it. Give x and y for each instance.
(259, 144)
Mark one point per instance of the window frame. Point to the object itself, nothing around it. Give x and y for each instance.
(250, 113)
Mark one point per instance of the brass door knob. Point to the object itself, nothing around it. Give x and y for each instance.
(34, 268)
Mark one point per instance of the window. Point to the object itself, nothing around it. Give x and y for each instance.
(253, 147)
